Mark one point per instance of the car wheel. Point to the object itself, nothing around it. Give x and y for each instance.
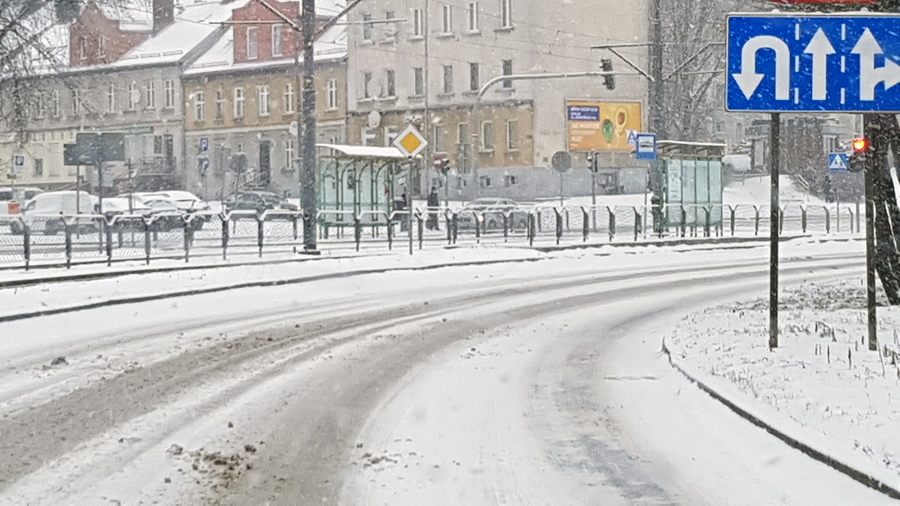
(51, 227)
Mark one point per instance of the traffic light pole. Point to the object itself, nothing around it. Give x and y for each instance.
(775, 132)
(308, 199)
(871, 132)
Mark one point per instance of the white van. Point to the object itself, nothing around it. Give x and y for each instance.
(44, 212)
(18, 194)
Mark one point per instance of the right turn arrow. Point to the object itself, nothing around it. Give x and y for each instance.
(870, 76)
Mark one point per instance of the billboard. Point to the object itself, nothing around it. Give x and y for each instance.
(601, 126)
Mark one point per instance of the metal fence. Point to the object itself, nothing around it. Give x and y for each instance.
(78, 238)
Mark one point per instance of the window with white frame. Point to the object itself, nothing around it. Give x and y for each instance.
(418, 82)
(474, 79)
(512, 135)
(505, 13)
(367, 85)
(40, 106)
(82, 48)
(169, 102)
(390, 29)
(368, 27)
(290, 147)
(263, 97)
(76, 101)
(390, 135)
(239, 102)
(446, 19)
(472, 16)
(111, 98)
(448, 78)
(54, 106)
(418, 23)
(150, 94)
(101, 46)
(369, 136)
(220, 103)
(438, 139)
(331, 94)
(134, 96)
(507, 71)
(252, 43)
(289, 100)
(390, 83)
(487, 136)
(199, 106)
(277, 40)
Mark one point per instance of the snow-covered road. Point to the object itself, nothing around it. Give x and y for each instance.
(535, 382)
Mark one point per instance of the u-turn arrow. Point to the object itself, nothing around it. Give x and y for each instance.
(749, 80)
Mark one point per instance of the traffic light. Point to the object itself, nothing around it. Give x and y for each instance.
(593, 161)
(858, 157)
(442, 164)
(608, 81)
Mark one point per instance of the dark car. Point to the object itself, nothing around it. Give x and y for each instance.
(258, 201)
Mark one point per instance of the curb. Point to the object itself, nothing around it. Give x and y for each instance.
(860, 476)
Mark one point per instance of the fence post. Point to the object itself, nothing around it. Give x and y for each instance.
(147, 227)
(26, 242)
(357, 230)
(731, 210)
(260, 232)
(585, 225)
(781, 220)
(683, 220)
(477, 229)
(109, 244)
(506, 217)
(187, 228)
(420, 223)
(850, 212)
(68, 232)
(447, 220)
(803, 218)
(612, 223)
(531, 229)
(226, 232)
(706, 226)
(637, 223)
(390, 232)
(539, 220)
(296, 230)
(455, 227)
(827, 220)
(559, 224)
(756, 223)
(566, 211)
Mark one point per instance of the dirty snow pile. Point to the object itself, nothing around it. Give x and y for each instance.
(820, 381)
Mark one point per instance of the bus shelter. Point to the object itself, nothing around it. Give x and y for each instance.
(689, 192)
(357, 181)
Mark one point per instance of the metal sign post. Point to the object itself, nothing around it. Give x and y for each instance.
(774, 232)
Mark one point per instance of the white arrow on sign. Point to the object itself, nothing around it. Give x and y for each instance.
(819, 47)
(749, 80)
(870, 76)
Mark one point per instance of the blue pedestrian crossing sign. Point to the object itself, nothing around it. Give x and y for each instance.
(838, 162)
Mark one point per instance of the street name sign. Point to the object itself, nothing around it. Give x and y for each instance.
(838, 162)
(813, 63)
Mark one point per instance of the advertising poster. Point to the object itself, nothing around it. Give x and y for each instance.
(601, 126)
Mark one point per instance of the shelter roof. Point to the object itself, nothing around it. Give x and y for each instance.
(346, 151)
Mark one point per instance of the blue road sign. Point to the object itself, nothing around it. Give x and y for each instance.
(838, 162)
(645, 148)
(813, 63)
(204, 144)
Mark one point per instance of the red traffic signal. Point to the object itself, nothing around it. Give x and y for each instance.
(442, 164)
(860, 145)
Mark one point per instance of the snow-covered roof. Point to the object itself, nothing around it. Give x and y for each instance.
(365, 151)
(220, 57)
(133, 15)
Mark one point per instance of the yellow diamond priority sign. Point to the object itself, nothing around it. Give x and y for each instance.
(410, 142)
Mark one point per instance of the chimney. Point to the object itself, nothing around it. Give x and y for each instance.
(163, 14)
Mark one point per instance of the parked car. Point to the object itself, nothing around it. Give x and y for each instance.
(17, 194)
(258, 201)
(187, 203)
(132, 212)
(45, 210)
(489, 212)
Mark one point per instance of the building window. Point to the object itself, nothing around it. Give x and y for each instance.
(54, 106)
(263, 96)
(150, 95)
(220, 103)
(101, 46)
(390, 81)
(440, 146)
(367, 84)
(472, 16)
(277, 40)
(511, 180)
(474, 82)
(484, 181)
(448, 78)
(40, 108)
(331, 94)
(289, 98)
(507, 71)
(446, 19)
(505, 13)
(252, 43)
(390, 29)
(76, 102)
(199, 106)
(487, 136)
(512, 135)
(38, 167)
(290, 146)
(170, 94)
(239, 102)
(368, 136)
(134, 96)
(418, 81)
(390, 134)
(111, 98)
(82, 48)
(368, 27)
(418, 23)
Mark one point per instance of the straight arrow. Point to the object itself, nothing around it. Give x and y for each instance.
(819, 47)
(748, 80)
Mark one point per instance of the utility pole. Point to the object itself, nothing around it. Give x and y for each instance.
(307, 130)
(657, 123)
